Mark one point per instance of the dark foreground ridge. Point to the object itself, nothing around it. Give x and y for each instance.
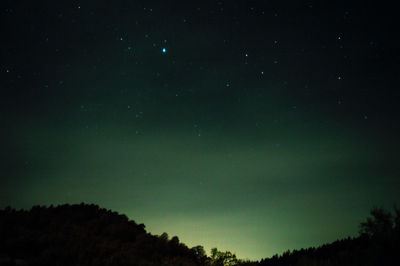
(88, 235)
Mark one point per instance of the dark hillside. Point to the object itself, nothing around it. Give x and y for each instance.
(377, 245)
(88, 235)
(83, 235)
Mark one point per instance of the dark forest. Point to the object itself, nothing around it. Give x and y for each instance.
(89, 235)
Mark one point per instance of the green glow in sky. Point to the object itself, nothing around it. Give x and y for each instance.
(252, 132)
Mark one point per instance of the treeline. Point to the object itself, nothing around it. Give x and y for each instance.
(378, 244)
(89, 235)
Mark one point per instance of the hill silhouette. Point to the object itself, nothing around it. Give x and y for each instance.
(84, 235)
(377, 245)
(89, 235)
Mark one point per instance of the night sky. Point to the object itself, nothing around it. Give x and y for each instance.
(251, 126)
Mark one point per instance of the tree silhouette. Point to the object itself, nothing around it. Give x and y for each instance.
(219, 258)
(200, 255)
(164, 236)
(83, 235)
(380, 224)
(88, 235)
